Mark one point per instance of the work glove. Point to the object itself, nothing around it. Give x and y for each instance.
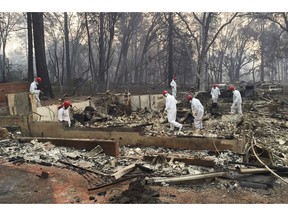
(165, 112)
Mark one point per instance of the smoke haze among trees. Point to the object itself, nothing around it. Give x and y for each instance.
(103, 49)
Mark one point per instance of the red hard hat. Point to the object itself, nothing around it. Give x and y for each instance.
(189, 97)
(215, 85)
(165, 92)
(231, 88)
(38, 79)
(66, 104)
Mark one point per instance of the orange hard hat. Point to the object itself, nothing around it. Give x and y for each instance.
(165, 92)
(66, 104)
(189, 97)
(38, 79)
(231, 88)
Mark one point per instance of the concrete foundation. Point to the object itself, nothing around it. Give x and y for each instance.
(121, 135)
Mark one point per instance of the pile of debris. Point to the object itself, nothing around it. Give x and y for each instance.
(263, 161)
(150, 165)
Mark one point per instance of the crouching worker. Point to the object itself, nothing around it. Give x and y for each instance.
(64, 114)
(35, 91)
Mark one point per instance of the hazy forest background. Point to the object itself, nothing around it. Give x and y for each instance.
(102, 50)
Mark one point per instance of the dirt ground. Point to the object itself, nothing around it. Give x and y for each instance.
(23, 184)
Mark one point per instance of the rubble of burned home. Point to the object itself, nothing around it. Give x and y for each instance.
(131, 140)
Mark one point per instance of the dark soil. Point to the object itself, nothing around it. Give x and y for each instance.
(23, 184)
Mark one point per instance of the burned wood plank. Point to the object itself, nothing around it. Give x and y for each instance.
(182, 179)
(95, 151)
(277, 168)
(144, 168)
(252, 170)
(187, 161)
(253, 185)
(124, 171)
(252, 178)
(112, 183)
(81, 168)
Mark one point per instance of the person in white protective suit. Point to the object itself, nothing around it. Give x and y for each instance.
(236, 107)
(215, 92)
(170, 107)
(197, 111)
(64, 114)
(34, 89)
(173, 85)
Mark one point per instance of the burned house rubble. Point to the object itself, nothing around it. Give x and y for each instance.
(123, 137)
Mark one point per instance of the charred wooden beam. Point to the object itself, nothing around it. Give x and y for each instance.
(186, 178)
(277, 168)
(187, 161)
(81, 168)
(252, 170)
(144, 168)
(112, 183)
(253, 185)
(124, 171)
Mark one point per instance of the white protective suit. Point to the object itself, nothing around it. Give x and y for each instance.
(237, 103)
(215, 92)
(198, 112)
(63, 115)
(170, 107)
(174, 87)
(35, 91)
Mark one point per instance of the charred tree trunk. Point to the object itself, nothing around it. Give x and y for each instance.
(170, 49)
(101, 52)
(66, 32)
(91, 58)
(39, 45)
(30, 48)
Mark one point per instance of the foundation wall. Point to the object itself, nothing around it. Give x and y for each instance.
(126, 136)
(8, 88)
